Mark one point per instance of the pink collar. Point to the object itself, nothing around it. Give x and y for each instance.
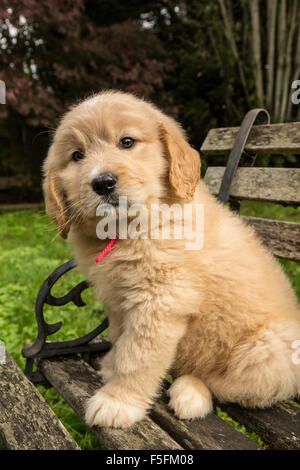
(106, 250)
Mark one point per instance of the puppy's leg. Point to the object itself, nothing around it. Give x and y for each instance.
(107, 367)
(107, 363)
(190, 398)
(142, 355)
(261, 371)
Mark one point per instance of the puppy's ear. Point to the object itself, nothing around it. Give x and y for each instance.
(55, 203)
(184, 161)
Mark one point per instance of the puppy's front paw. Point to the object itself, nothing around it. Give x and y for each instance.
(106, 410)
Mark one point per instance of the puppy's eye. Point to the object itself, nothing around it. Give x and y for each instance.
(126, 142)
(77, 156)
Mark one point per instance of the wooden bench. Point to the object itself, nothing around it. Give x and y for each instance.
(26, 420)
(22, 409)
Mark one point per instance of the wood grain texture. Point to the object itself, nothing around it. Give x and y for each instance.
(77, 381)
(210, 433)
(283, 139)
(26, 420)
(282, 238)
(279, 426)
(259, 184)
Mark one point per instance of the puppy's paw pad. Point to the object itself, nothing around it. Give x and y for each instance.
(190, 398)
(105, 410)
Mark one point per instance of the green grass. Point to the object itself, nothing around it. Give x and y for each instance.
(270, 211)
(30, 249)
(277, 212)
(239, 427)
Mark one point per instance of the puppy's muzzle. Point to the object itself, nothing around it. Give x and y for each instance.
(104, 184)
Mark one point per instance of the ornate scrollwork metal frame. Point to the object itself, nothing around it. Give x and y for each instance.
(43, 349)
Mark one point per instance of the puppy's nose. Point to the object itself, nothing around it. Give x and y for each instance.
(104, 184)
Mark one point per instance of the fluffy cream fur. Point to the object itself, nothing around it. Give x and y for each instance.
(222, 319)
(189, 397)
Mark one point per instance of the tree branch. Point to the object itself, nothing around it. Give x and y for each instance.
(288, 63)
(296, 74)
(258, 73)
(271, 12)
(230, 38)
(281, 45)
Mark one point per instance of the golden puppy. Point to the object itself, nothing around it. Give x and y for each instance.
(223, 319)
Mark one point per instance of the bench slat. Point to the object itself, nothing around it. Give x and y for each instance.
(270, 139)
(211, 433)
(26, 420)
(259, 184)
(282, 238)
(278, 426)
(76, 381)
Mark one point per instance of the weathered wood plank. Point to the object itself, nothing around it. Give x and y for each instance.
(21, 206)
(282, 238)
(26, 420)
(77, 381)
(283, 139)
(211, 433)
(259, 184)
(278, 426)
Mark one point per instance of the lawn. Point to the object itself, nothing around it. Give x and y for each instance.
(30, 249)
